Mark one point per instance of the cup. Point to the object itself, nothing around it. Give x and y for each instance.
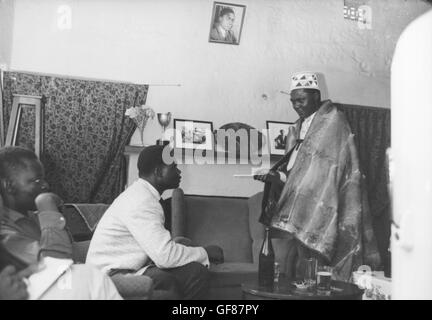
(323, 280)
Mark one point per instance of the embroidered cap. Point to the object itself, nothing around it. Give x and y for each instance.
(304, 80)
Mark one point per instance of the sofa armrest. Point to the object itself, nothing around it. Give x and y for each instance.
(178, 214)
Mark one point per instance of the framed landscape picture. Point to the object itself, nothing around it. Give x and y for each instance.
(277, 136)
(193, 134)
(226, 23)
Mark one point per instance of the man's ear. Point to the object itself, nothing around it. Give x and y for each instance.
(7, 186)
(158, 171)
(317, 96)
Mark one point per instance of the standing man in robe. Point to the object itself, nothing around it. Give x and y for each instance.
(315, 192)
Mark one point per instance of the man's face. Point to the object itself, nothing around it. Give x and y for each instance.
(171, 176)
(227, 21)
(26, 184)
(304, 103)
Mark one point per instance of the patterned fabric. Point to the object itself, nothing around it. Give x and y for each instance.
(304, 80)
(85, 132)
(371, 128)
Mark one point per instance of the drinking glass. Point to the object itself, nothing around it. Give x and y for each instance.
(310, 271)
(324, 276)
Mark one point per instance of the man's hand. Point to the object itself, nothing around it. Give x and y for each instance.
(34, 268)
(183, 240)
(48, 201)
(49, 214)
(215, 254)
(271, 176)
(12, 285)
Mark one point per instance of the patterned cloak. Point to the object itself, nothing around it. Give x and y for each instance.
(323, 203)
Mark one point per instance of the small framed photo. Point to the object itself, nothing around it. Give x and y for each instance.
(193, 134)
(226, 23)
(277, 136)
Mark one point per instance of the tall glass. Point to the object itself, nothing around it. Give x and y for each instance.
(310, 272)
(324, 276)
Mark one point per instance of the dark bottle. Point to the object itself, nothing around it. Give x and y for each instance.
(266, 261)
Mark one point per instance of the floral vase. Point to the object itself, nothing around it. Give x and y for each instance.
(140, 115)
(141, 131)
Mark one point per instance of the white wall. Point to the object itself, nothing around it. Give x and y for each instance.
(6, 26)
(165, 42)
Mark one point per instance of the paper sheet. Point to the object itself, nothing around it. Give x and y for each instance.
(254, 171)
(39, 283)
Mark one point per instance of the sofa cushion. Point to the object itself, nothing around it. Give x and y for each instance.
(82, 219)
(133, 287)
(79, 251)
(221, 221)
(230, 274)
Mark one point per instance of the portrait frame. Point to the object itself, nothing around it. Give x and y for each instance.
(193, 134)
(277, 146)
(233, 35)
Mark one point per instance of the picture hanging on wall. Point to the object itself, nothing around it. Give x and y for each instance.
(193, 134)
(277, 136)
(226, 23)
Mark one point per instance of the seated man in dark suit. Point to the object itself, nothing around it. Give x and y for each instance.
(32, 228)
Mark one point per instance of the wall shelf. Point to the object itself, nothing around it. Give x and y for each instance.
(133, 149)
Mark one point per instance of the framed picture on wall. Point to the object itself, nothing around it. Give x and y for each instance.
(226, 23)
(277, 136)
(193, 134)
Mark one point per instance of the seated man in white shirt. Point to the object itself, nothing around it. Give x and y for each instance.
(131, 237)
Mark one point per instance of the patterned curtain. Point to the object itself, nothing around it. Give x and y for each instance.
(85, 132)
(371, 127)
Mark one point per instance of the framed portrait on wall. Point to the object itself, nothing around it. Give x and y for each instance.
(226, 23)
(193, 134)
(277, 136)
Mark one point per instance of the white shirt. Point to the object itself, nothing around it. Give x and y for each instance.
(132, 232)
(303, 130)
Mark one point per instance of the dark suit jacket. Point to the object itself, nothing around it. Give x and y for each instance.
(216, 34)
